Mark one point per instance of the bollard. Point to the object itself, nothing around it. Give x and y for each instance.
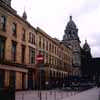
(22, 96)
(46, 95)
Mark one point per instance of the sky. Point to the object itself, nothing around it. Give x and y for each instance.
(53, 15)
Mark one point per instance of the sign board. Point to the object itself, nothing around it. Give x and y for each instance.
(39, 58)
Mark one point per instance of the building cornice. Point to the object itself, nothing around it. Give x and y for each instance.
(14, 13)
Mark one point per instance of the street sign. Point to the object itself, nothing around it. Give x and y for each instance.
(39, 58)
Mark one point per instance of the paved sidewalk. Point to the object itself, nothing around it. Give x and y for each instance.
(45, 95)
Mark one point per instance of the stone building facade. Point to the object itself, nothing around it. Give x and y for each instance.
(20, 43)
(57, 58)
(17, 47)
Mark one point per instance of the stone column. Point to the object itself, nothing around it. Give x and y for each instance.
(26, 80)
(8, 46)
(18, 53)
(27, 55)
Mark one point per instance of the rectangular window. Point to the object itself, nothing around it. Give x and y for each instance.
(39, 42)
(50, 47)
(14, 29)
(2, 78)
(23, 81)
(47, 45)
(2, 48)
(3, 23)
(43, 44)
(29, 37)
(32, 38)
(7, 78)
(46, 58)
(23, 34)
(23, 53)
(13, 51)
(32, 55)
(12, 79)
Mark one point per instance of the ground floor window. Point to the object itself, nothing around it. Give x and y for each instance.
(18, 80)
(12, 78)
(2, 78)
(7, 78)
(23, 80)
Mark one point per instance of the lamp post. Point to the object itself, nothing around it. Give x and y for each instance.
(55, 94)
(46, 83)
(40, 85)
(41, 76)
(40, 59)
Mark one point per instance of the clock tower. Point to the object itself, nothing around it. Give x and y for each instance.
(71, 39)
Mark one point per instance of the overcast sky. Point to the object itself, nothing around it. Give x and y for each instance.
(52, 16)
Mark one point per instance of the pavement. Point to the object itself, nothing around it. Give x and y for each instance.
(44, 95)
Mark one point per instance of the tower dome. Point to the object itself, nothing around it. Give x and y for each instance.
(71, 24)
(71, 31)
(24, 16)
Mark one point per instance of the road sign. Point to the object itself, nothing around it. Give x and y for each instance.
(39, 58)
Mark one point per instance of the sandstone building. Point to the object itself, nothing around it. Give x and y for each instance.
(57, 58)
(17, 47)
(20, 43)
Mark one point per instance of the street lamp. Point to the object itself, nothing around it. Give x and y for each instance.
(40, 85)
(46, 83)
(40, 59)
